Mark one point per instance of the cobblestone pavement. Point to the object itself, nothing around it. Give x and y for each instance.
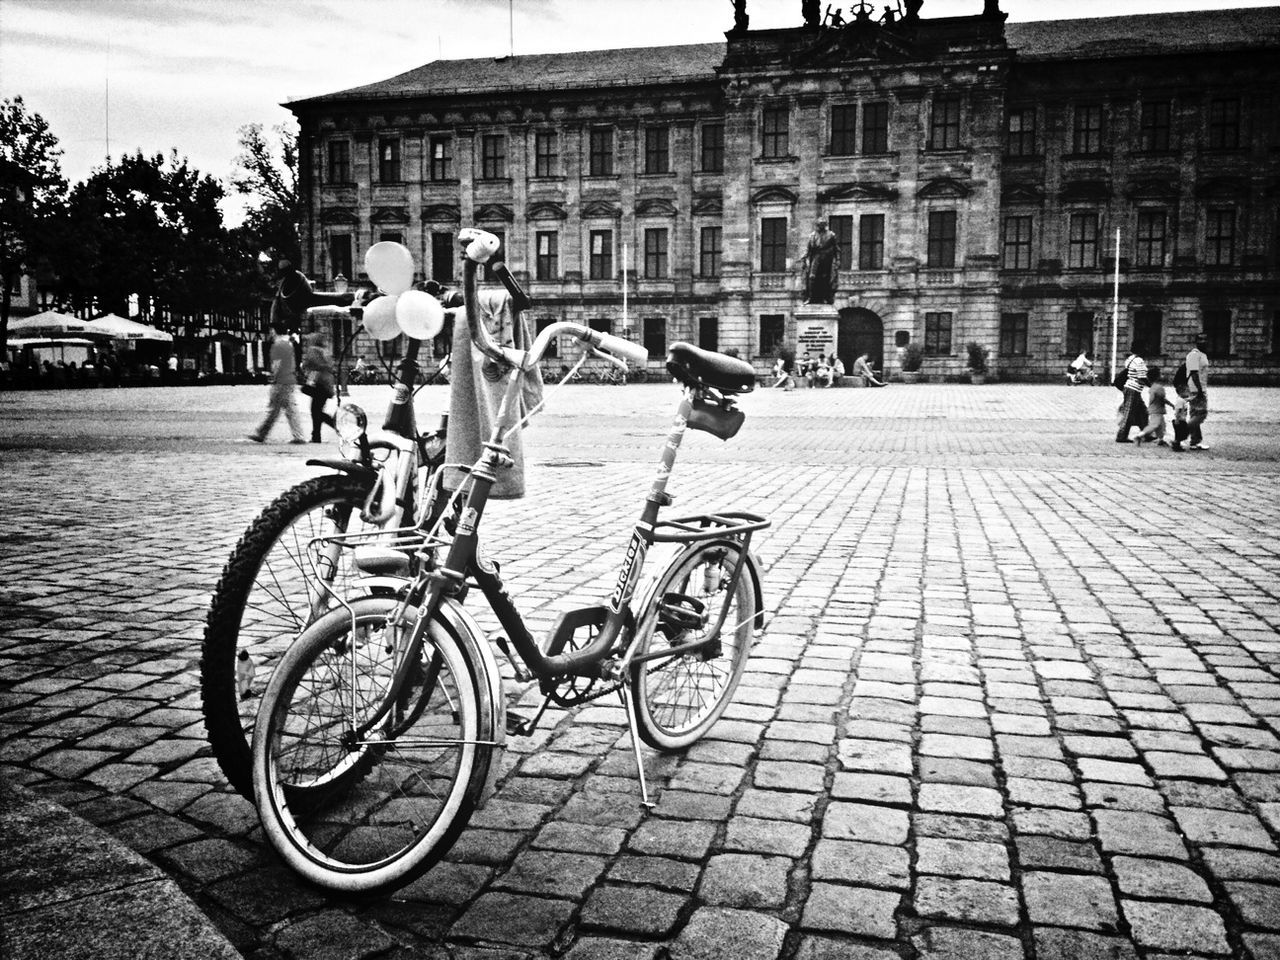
(1019, 698)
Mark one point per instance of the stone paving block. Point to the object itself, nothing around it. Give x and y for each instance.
(514, 918)
(1043, 793)
(1060, 943)
(952, 943)
(1117, 796)
(876, 756)
(767, 836)
(782, 775)
(959, 798)
(777, 805)
(1176, 927)
(959, 828)
(716, 933)
(660, 872)
(865, 864)
(856, 910)
(751, 882)
(446, 883)
(552, 873)
(683, 840)
(1054, 853)
(858, 821)
(608, 948)
(946, 745)
(1069, 900)
(970, 901)
(333, 933)
(1067, 824)
(816, 947)
(962, 858)
(873, 787)
(632, 911)
(953, 770)
(1222, 827)
(1258, 903)
(1113, 772)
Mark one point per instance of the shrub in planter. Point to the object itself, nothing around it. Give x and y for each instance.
(912, 358)
(977, 357)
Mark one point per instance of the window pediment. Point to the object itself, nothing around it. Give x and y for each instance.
(601, 210)
(389, 215)
(655, 207)
(336, 215)
(495, 211)
(1022, 193)
(1088, 191)
(1222, 188)
(442, 213)
(859, 191)
(774, 195)
(1153, 189)
(546, 210)
(944, 188)
(708, 206)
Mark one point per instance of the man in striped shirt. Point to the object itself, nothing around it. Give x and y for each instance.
(1133, 412)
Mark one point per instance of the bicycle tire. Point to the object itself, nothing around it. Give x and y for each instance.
(370, 817)
(679, 699)
(266, 568)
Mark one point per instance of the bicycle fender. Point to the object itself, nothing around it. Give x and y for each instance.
(346, 466)
(495, 703)
(751, 570)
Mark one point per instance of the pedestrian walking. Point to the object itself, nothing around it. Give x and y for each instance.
(1197, 391)
(1132, 412)
(1157, 403)
(284, 383)
(319, 380)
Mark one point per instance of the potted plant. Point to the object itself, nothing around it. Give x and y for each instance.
(977, 362)
(912, 359)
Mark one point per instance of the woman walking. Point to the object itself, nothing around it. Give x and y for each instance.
(317, 368)
(1132, 412)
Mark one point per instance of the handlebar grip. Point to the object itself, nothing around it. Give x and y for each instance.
(520, 300)
(634, 352)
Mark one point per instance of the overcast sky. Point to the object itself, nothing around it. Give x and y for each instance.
(119, 75)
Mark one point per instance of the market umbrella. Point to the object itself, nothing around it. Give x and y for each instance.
(118, 328)
(51, 324)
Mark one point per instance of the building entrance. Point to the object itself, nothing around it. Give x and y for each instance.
(860, 331)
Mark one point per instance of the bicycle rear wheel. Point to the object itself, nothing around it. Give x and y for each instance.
(372, 814)
(678, 698)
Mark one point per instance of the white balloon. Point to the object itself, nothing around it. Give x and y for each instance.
(419, 314)
(390, 266)
(380, 319)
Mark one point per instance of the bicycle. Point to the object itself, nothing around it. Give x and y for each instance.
(382, 729)
(265, 595)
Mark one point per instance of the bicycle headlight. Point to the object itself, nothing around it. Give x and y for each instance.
(351, 422)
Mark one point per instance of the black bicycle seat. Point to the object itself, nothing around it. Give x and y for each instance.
(695, 367)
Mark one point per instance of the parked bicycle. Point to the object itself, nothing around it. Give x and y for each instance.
(383, 727)
(267, 592)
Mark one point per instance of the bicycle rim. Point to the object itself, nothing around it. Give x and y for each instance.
(370, 815)
(677, 699)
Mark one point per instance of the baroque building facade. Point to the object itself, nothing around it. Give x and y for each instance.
(976, 172)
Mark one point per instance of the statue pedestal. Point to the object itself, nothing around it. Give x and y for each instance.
(816, 326)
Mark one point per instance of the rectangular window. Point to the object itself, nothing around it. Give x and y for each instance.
(1217, 327)
(655, 336)
(600, 152)
(657, 153)
(441, 158)
(655, 253)
(709, 243)
(442, 257)
(842, 227)
(1148, 330)
(944, 124)
(1020, 137)
(1224, 124)
(775, 133)
(773, 331)
(1150, 235)
(339, 161)
(844, 119)
(340, 256)
(1017, 243)
(600, 266)
(601, 325)
(493, 156)
(875, 127)
(1079, 333)
(391, 236)
(937, 334)
(1220, 238)
(546, 158)
(1154, 126)
(389, 160)
(1087, 132)
(547, 257)
(713, 148)
(1013, 334)
(942, 239)
(553, 348)
(871, 241)
(773, 244)
(1082, 241)
(709, 333)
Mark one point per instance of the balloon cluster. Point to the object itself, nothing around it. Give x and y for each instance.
(413, 312)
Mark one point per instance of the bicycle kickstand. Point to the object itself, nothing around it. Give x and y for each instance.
(635, 748)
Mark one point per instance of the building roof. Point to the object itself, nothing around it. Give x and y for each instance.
(1096, 37)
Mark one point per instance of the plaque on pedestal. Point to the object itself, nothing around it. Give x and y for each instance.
(816, 326)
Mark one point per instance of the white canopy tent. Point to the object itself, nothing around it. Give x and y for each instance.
(51, 324)
(118, 328)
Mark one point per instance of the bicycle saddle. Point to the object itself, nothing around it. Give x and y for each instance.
(695, 367)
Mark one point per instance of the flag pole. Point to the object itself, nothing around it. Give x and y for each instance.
(1115, 309)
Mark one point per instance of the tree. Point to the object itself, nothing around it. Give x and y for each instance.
(31, 186)
(267, 173)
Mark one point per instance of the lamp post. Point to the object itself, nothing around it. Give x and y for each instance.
(340, 286)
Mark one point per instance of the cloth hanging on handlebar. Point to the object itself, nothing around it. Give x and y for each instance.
(476, 388)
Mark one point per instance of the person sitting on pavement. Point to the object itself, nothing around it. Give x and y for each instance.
(862, 368)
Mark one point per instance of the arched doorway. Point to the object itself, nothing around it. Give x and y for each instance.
(860, 331)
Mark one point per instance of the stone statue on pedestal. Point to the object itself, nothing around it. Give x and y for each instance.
(820, 265)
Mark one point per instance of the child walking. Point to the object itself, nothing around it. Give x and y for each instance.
(1157, 403)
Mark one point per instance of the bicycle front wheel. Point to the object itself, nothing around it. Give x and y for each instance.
(264, 599)
(678, 697)
(366, 813)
